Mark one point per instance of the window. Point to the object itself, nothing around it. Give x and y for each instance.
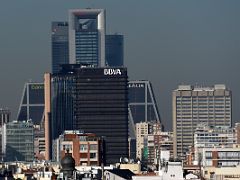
(83, 147)
(93, 155)
(67, 147)
(208, 155)
(93, 147)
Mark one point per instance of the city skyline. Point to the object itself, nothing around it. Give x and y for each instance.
(169, 44)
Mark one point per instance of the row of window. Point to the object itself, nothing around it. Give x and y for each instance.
(83, 147)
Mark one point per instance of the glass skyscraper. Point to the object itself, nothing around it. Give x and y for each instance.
(86, 47)
(114, 50)
(32, 103)
(94, 100)
(102, 108)
(87, 37)
(62, 100)
(82, 40)
(60, 51)
(18, 139)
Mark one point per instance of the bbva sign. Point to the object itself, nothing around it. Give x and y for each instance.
(112, 72)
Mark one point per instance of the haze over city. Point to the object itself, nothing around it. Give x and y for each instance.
(166, 42)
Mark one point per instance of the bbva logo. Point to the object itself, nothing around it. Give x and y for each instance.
(112, 72)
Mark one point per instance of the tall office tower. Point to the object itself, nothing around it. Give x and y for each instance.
(63, 88)
(195, 105)
(32, 103)
(102, 108)
(94, 100)
(87, 37)
(114, 50)
(59, 107)
(142, 104)
(18, 139)
(60, 52)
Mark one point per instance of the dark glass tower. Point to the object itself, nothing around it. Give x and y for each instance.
(94, 100)
(142, 101)
(102, 108)
(60, 51)
(62, 99)
(32, 103)
(114, 50)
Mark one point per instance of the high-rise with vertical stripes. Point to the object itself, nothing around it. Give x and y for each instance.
(94, 100)
(194, 105)
(87, 37)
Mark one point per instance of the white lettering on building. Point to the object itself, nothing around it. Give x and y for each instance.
(112, 72)
(136, 85)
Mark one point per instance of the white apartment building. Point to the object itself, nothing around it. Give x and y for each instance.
(147, 140)
(210, 137)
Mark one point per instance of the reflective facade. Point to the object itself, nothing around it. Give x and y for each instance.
(87, 47)
(102, 108)
(60, 51)
(32, 103)
(62, 100)
(198, 105)
(18, 141)
(114, 50)
(82, 40)
(94, 100)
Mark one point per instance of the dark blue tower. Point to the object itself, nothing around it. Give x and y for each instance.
(60, 51)
(114, 50)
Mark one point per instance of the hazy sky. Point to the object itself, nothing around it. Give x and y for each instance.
(167, 42)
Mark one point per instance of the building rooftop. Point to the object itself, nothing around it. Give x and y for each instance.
(124, 173)
(201, 88)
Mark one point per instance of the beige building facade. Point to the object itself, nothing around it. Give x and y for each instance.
(148, 141)
(47, 111)
(195, 105)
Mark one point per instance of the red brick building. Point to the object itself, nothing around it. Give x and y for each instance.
(84, 147)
